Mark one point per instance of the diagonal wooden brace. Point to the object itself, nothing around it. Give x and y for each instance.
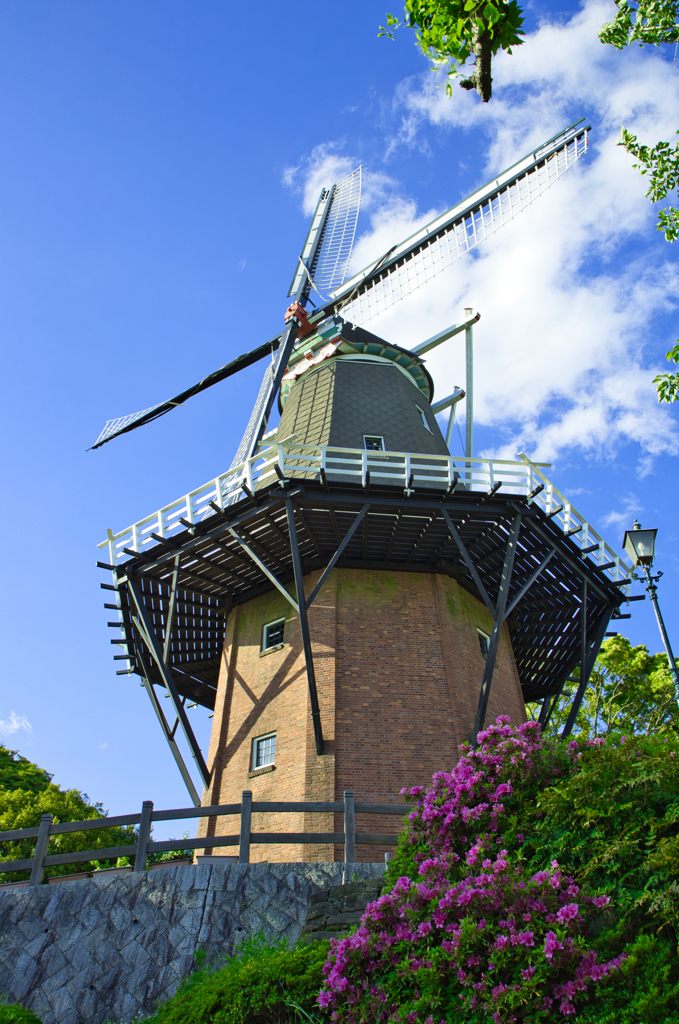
(304, 625)
(499, 617)
(145, 627)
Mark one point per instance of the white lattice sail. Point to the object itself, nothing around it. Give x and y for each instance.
(329, 269)
(113, 427)
(253, 425)
(447, 238)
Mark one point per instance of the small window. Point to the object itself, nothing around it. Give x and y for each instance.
(373, 444)
(483, 643)
(273, 634)
(424, 419)
(263, 751)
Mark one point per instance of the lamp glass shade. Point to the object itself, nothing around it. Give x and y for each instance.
(640, 546)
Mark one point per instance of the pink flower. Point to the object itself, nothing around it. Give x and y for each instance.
(552, 944)
(568, 912)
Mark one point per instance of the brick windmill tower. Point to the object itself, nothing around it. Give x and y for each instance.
(349, 599)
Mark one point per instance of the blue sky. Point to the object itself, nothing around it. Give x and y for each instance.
(157, 169)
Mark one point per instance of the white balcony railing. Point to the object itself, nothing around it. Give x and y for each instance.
(352, 465)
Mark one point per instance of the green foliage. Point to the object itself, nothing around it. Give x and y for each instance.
(662, 161)
(630, 691)
(650, 23)
(614, 825)
(23, 807)
(449, 32)
(667, 384)
(260, 984)
(647, 22)
(645, 988)
(14, 1013)
(16, 772)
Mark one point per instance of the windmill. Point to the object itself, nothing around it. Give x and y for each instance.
(358, 479)
(403, 269)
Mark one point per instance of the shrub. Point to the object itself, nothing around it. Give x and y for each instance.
(14, 1013)
(471, 930)
(260, 984)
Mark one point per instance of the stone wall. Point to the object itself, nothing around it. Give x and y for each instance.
(112, 948)
(337, 909)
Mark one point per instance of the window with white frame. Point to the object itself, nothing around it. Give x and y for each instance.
(273, 634)
(263, 751)
(484, 640)
(373, 444)
(424, 419)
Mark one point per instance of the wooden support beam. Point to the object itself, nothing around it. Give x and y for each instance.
(197, 557)
(307, 529)
(171, 612)
(167, 732)
(257, 545)
(588, 659)
(145, 628)
(526, 587)
(304, 624)
(499, 617)
(265, 569)
(338, 554)
(468, 562)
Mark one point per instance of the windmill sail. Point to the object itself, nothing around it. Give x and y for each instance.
(332, 232)
(330, 266)
(324, 262)
(137, 419)
(244, 448)
(405, 268)
(447, 238)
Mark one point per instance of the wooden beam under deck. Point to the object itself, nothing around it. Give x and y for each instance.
(399, 533)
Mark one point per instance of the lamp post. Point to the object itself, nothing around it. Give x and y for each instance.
(640, 546)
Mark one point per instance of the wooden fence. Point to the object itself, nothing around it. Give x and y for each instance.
(245, 838)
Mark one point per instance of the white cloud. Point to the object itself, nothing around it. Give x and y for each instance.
(559, 352)
(326, 165)
(623, 517)
(14, 722)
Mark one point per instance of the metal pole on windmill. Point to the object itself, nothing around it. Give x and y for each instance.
(469, 389)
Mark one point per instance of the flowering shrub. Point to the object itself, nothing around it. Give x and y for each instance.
(473, 934)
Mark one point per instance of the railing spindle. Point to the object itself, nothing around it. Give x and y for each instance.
(41, 848)
(144, 836)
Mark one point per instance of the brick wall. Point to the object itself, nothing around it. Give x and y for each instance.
(398, 669)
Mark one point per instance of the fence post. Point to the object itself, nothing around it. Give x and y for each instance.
(245, 820)
(349, 828)
(144, 836)
(41, 848)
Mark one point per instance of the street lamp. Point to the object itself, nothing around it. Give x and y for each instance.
(640, 546)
